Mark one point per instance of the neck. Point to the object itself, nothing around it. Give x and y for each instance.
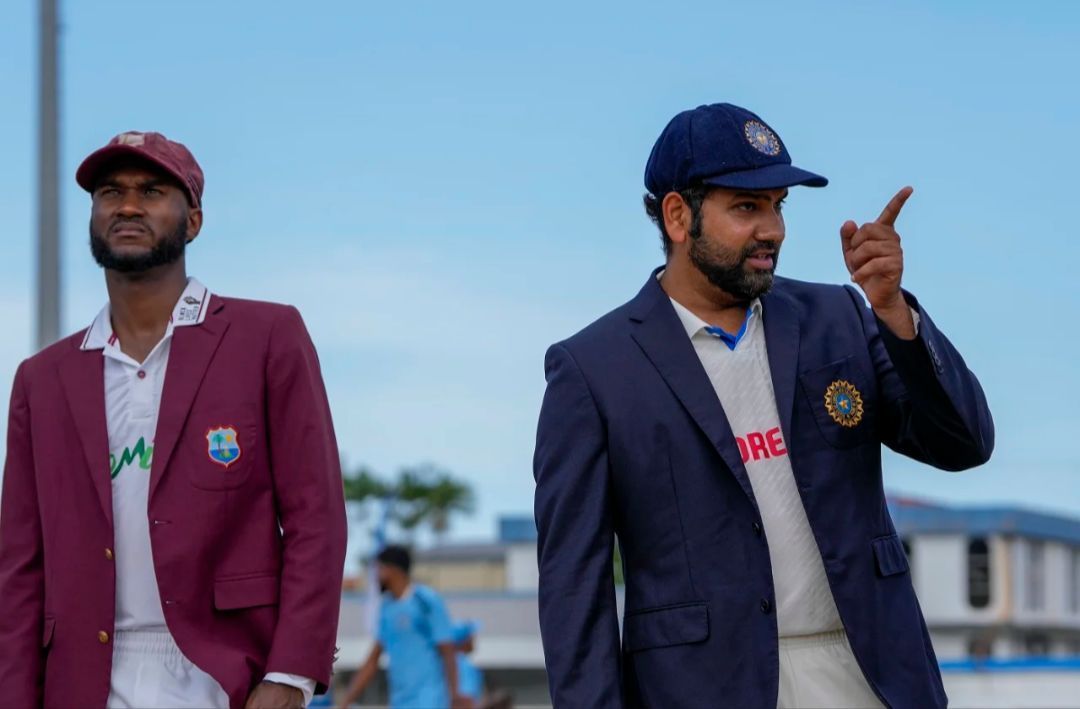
(142, 303)
(689, 286)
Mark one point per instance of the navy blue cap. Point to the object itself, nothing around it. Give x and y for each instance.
(725, 146)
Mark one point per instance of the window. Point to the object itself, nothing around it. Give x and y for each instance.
(978, 573)
(1035, 581)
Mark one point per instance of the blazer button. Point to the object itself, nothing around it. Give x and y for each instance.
(108, 554)
(757, 528)
(102, 637)
(766, 606)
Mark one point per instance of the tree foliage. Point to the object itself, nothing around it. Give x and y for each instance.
(420, 495)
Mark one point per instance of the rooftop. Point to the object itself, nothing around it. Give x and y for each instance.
(913, 516)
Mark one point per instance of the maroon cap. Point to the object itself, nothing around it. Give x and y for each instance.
(170, 156)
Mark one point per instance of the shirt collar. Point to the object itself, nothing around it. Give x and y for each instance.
(694, 325)
(190, 309)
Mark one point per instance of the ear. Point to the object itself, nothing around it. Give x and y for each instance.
(194, 223)
(677, 217)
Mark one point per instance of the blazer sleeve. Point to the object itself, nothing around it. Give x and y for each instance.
(22, 577)
(573, 507)
(933, 408)
(306, 470)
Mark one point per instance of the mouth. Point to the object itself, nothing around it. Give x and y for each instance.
(763, 260)
(128, 230)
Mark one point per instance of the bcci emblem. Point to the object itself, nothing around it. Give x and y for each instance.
(844, 403)
(223, 445)
(763, 139)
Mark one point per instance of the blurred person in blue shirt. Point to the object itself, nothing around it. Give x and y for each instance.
(415, 632)
(470, 678)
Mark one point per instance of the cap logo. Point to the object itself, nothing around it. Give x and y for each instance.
(761, 138)
(135, 139)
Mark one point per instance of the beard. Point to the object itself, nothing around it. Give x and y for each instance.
(726, 268)
(166, 251)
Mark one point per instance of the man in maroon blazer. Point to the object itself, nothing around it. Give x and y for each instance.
(172, 528)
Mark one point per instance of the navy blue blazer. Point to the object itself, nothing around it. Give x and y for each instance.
(633, 443)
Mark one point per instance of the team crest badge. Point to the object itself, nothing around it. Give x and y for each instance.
(844, 403)
(761, 138)
(223, 445)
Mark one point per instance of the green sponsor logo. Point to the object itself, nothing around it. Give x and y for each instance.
(139, 453)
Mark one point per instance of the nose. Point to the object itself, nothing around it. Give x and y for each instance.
(771, 227)
(130, 204)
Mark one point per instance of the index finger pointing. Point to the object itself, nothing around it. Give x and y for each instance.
(892, 209)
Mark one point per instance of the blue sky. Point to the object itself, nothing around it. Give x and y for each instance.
(446, 189)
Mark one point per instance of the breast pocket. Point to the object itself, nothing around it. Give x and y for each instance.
(225, 444)
(841, 399)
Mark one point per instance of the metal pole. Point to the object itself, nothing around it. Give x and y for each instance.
(48, 281)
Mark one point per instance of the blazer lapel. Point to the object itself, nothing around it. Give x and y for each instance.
(190, 354)
(782, 342)
(82, 376)
(662, 337)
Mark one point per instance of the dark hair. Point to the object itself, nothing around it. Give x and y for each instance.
(694, 196)
(395, 555)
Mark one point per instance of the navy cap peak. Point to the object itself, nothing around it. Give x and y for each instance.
(723, 145)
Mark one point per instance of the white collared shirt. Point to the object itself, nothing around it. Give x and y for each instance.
(132, 404)
(132, 401)
(742, 379)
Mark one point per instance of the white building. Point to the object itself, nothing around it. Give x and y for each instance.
(999, 583)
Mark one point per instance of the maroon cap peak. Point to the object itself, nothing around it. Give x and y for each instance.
(172, 157)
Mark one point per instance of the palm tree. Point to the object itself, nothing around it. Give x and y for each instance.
(432, 495)
(363, 484)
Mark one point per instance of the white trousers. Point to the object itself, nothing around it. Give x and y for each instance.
(821, 671)
(150, 672)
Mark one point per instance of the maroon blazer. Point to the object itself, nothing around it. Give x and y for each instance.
(248, 558)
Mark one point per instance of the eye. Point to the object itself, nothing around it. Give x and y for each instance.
(152, 191)
(746, 206)
(780, 205)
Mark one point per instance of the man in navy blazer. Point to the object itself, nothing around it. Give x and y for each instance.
(725, 426)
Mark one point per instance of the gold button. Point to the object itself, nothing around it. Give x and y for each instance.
(102, 637)
(108, 554)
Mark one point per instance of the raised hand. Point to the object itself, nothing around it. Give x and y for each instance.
(875, 261)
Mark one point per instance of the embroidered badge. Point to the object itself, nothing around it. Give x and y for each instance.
(844, 403)
(763, 139)
(134, 138)
(223, 445)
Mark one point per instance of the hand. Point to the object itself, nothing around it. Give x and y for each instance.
(272, 695)
(874, 258)
(461, 702)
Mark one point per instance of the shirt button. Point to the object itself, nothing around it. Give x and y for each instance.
(142, 374)
(102, 637)
(108, 554)
(765, 606)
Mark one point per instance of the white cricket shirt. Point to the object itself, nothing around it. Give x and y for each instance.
(743, 382)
